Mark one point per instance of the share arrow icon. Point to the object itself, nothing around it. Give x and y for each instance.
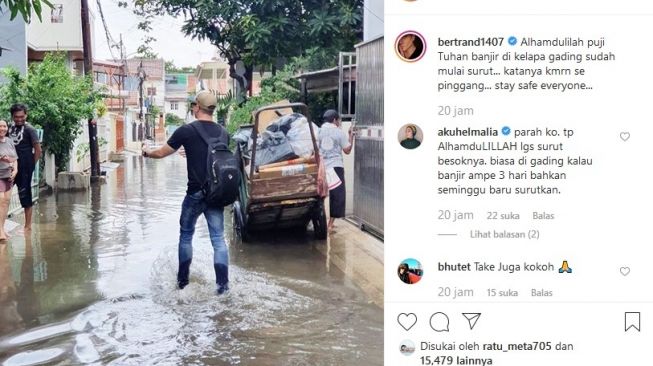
(472, 318)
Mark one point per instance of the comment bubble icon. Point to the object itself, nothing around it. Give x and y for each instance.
(439, 322)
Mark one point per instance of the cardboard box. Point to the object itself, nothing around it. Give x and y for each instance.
(287, 170)
(288, 162)
(267, 117)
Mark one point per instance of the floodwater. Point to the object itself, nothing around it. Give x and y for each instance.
(95, 284)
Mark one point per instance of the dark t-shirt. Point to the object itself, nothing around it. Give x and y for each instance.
(24, 138)
(410, 143)
(196, 150)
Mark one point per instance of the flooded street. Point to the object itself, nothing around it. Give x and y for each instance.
(95, 284)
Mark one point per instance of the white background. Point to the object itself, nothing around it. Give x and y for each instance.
(603, 215)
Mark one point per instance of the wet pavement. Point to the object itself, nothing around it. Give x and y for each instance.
(95, 284)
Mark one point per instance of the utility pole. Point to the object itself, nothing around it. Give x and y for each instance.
(88, 71)
(141, 77)
(124, 75)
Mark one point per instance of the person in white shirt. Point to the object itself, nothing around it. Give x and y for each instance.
(333, 142)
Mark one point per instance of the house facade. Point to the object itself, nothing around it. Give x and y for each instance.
(60, 31)
(110, 76)
(214, 77)
(144, 121)
(177, 93)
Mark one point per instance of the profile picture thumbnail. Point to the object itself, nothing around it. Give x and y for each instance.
(410, 136)
(410, 46)
(410, 271)
(407, 347)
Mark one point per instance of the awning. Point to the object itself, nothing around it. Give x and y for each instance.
(325, 80)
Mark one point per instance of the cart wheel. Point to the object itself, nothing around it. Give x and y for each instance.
(240, 233)
(235, 224)
(320, 221)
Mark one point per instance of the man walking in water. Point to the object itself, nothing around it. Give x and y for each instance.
(28, 148)
(194, 205)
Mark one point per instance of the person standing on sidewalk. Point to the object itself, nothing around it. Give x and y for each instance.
(8, 170)
(28, 148)
(194, 205)
(333, 142)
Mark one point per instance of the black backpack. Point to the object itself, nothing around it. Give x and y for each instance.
(222, 170)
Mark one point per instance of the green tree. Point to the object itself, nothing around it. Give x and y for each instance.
(265, 33)
(279, 87)
(171, 68)
(173, 120)
(57, 102)
(25, 7)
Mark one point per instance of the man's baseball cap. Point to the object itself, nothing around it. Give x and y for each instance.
(205, 100)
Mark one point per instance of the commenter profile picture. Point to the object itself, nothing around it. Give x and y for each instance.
(410, 271)
(410, 136)
(410, 46)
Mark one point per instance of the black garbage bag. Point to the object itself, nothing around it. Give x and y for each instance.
(283, 124)
(243, 135)
(272, 148)
(243, 138)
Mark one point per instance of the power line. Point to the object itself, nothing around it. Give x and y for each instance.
(110, 41)
(12, 37)
(371, 12)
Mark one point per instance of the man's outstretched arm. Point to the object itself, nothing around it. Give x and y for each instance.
(159, 153)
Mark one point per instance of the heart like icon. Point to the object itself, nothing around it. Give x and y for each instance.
(407, 321)
(624, 136)
(624, 270)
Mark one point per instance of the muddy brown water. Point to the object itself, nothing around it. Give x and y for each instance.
(95, 284)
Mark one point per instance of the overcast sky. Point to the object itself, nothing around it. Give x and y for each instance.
(170, 45)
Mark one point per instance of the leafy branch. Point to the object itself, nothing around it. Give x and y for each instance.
(25, 7)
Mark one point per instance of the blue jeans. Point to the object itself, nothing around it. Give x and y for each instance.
(191, 209)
